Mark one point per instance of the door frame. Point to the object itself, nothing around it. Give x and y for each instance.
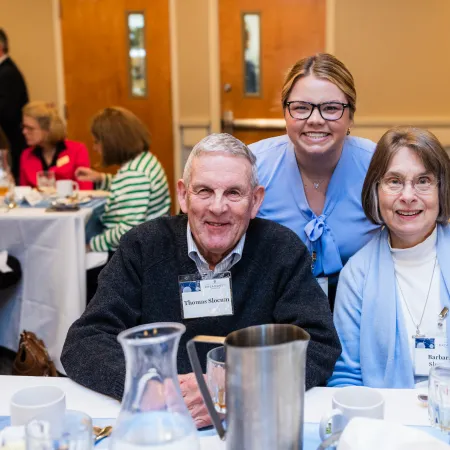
(61, 96)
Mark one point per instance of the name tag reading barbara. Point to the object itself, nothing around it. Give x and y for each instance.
(206, 297)
(429, 352)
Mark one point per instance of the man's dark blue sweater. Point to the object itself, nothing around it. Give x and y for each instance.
(272, 283)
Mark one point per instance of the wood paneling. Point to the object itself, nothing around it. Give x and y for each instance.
(95, 44)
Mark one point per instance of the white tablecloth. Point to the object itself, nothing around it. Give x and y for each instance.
(401, 404)
(52, 293)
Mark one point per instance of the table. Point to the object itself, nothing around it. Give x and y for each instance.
(402, 407)
(52, 293)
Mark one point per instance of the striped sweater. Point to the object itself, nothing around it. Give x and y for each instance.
(139, 192)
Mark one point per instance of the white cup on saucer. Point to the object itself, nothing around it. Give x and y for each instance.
(38, 400)
(350, 402)
(67, 188)
(20, 192)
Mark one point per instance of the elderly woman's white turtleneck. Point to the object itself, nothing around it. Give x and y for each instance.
(414, 269)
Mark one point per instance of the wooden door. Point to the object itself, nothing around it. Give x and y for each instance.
(96, 69)
(289, 31)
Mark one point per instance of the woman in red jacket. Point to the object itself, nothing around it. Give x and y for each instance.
(45, 133)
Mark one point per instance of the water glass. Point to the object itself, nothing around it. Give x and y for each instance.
(215, 373)
(439, 397)
(46, 182)
(74, 433)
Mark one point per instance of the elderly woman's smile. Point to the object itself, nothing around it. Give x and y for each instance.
(410, 214)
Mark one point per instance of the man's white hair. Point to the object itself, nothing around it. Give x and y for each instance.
(221, 143)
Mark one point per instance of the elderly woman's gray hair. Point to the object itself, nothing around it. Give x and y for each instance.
(433, 156)
(222, 143)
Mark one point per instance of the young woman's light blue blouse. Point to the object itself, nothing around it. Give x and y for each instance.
(342, 228)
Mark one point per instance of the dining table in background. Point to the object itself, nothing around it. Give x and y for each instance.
(52, 293)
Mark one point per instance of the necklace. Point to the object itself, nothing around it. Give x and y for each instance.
(417, 325)
(316, 184)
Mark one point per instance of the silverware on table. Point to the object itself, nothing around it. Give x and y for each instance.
(101, 433)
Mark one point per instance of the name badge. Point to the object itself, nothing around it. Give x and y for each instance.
(206, 297)
(429, 352)
(62, 161)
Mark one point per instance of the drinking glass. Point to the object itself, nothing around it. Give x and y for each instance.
(215, 372)
(73, 432)
(6, 180)
(439, 397)
(46, 182)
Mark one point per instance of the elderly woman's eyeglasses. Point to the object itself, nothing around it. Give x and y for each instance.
(328, 110)
(395, 185)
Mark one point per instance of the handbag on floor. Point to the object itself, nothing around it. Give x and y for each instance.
(32, 358)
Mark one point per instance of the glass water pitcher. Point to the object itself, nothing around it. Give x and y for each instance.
(153, 414)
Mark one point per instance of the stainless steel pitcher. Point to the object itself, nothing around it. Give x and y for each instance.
(265, 386)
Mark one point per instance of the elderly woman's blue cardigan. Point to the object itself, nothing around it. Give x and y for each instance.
(369, 320)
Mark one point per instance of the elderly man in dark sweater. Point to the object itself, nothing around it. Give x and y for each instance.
(270, 269)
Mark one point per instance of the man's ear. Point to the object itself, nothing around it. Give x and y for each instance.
(258, 197)
(182, 195)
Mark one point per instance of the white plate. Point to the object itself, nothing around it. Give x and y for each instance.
(79, 201)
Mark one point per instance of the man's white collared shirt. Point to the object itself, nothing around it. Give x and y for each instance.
(223, 266)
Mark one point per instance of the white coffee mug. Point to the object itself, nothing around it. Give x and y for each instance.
(38, 400)
(20, 192)
(67, 188)
(350, 402)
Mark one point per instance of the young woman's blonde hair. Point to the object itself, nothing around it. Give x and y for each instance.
(48, 118)
(326, 67)
(121, 134)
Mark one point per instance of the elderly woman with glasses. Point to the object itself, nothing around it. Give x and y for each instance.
(392, 297)
(49, 150)
(313, 175)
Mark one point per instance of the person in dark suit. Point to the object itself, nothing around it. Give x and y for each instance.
(13, 97)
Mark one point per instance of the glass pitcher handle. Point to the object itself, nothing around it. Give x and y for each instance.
(196, 366)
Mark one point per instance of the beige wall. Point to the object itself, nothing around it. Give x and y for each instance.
(194, 77)
(398, 52)
(30, 28)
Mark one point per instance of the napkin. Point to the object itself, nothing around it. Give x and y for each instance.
(33, 197)
(373, 434)
(12, 438)
(3, 262)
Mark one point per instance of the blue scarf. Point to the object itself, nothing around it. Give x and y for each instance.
(384, 353)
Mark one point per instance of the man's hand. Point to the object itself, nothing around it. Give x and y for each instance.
(194, 400)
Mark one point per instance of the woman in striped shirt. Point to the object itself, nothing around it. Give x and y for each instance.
(139, 191)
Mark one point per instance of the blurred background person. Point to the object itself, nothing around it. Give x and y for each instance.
(13, 97)
(49, 150)
(139, 191)
(314, 175)
(390, 294)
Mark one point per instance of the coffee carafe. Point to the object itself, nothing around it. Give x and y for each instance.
(265, 386)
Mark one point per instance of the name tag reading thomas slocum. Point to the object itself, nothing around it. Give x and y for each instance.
(206, 298)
